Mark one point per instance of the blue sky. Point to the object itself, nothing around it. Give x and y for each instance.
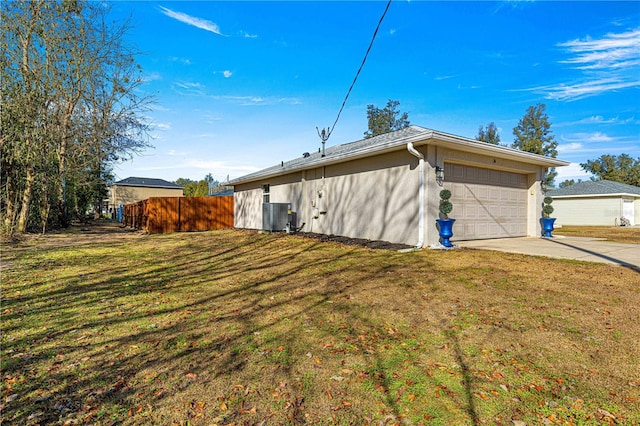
(240, 86)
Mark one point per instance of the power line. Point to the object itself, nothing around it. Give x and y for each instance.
(325, 135)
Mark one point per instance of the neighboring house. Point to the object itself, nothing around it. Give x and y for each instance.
(223, 193)
(380, 189)
(600, 202)
(134, 189)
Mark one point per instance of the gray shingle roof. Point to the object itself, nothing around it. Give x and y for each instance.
(333, 151)
(393, 141)
(147, 182)
(600, 187)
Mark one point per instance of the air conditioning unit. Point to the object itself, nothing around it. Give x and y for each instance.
(278, 217)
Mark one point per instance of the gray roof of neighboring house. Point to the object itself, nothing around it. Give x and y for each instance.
(393, 141)
(595, 188)
(148, 183)
(225, 193)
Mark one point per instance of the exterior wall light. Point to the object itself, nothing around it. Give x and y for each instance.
(439, 175)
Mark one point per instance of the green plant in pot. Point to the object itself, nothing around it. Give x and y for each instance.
(445, 224)
(547, 221)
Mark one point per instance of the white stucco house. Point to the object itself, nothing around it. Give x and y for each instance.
(387, 188)
(596, 203)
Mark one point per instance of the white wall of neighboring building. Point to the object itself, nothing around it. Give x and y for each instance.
(587, 211)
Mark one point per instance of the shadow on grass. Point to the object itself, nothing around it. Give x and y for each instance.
(251, 327)
(101, 315)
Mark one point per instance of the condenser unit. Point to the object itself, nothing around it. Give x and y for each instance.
(278, 217)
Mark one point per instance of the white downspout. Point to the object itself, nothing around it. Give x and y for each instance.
(415, 152)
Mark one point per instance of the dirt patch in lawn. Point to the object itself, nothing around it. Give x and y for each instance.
(619, 234)
(236, 327)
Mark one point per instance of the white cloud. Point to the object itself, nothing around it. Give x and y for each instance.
(189, 85)
(573, 146)
(584, 89)
(203, 24)
(153, 76)
(606, 64)
(247, 35)
(174, 153)
(260, 101)
(218, 165)
(599, 119)
(189, 88)
(613, 51)
(227, 73)
(212, 118)
(595, 137)
(185, 61)
(162, 126)
(572, 171)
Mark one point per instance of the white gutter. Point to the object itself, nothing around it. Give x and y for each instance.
(414, 152)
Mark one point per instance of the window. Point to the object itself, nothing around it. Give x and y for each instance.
(265, 193)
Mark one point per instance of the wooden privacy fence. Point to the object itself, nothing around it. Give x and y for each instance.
(160, 215)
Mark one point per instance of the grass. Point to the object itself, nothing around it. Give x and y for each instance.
(616, 234)
(233, 327)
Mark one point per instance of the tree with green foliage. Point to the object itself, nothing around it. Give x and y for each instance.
(489, 134)
(70, 109)
(200, 188)
(388, 119)
(568, 182)
(618, 168)
(533, 134)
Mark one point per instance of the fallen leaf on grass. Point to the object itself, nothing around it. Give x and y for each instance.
(606, 413)
(251, 410)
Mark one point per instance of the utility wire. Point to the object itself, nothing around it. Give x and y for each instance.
(326, 135)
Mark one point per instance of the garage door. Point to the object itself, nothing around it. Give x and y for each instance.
(486, 203)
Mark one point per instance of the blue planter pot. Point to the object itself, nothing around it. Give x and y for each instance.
(445, 228)
(547, 226)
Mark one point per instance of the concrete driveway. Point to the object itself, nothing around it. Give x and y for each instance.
(587, 249)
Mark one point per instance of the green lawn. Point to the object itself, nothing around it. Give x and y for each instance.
(233, 327)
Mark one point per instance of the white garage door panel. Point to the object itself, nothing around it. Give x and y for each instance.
(487, 203)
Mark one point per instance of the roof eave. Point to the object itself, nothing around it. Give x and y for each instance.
(147, 186)
(499, 151)
(618, 194)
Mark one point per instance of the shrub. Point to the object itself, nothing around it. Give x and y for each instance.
(547, 208)
(445, 204)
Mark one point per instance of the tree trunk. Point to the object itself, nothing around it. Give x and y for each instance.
(44, 215)
(45, 207)
(10, 210)
(26, 200)
(62, 167)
